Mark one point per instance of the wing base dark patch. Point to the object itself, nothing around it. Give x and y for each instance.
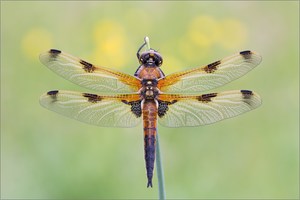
(136, 107)
(163, 107)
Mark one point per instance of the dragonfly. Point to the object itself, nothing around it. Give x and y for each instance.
(175, 100)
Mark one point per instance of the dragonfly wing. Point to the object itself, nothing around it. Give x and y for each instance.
(210, 76)
(107, 111)
(178, 110)
(88, 75)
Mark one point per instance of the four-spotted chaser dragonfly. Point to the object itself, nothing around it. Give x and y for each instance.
(149, 95)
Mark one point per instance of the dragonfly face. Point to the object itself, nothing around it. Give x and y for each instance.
(151, 58)
(150, 96)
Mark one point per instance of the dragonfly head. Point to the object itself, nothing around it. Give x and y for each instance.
(150, 58)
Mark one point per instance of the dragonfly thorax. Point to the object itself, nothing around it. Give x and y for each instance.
(149, 90)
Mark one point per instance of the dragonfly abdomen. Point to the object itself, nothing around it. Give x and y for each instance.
(150, 119)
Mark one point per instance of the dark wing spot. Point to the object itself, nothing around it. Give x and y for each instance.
(136, 107)
(206, 97)
(124, 101)
(88, 67)
(163, 107)
(54, 52)
(247, 95)
(246, 54)
(212, 67)
(52, 93)
(93, 98)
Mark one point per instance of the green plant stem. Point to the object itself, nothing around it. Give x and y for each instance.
(160, 173)
(147, 41)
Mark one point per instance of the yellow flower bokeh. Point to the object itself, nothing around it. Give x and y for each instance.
(192, 52)
(110, 43)
(35, 41)
(205, 31)
(233, 34)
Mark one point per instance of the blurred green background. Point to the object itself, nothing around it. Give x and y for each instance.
(45, 155)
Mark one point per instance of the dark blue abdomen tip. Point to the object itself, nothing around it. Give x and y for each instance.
(149, 183)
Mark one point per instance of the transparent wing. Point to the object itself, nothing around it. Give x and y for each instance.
(88, 75)
(109, 111)
(179, 110)
(211, 76)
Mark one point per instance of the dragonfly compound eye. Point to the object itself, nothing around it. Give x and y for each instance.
(151, 58)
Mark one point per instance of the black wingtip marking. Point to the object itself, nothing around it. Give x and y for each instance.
(52, 93)
(206, 97)
(88, 67)
(92, 97)
(247, 94)
(54, 51)
(212, 67)
(246, 54)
